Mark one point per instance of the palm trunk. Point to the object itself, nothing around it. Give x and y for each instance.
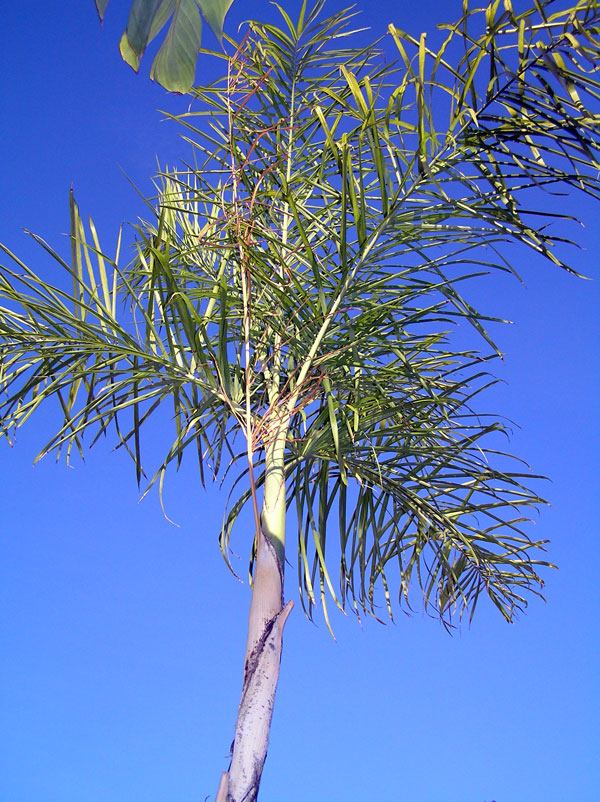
(263, 650)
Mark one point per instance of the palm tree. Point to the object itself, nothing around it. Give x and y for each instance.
(290, 297)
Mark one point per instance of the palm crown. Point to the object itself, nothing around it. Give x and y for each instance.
(292, 294)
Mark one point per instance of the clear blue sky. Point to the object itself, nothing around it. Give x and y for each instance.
(123, 636)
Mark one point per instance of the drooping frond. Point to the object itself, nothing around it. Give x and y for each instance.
(109, 354)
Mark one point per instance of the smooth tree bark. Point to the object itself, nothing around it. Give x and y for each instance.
(266, 621)
(261, 675)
